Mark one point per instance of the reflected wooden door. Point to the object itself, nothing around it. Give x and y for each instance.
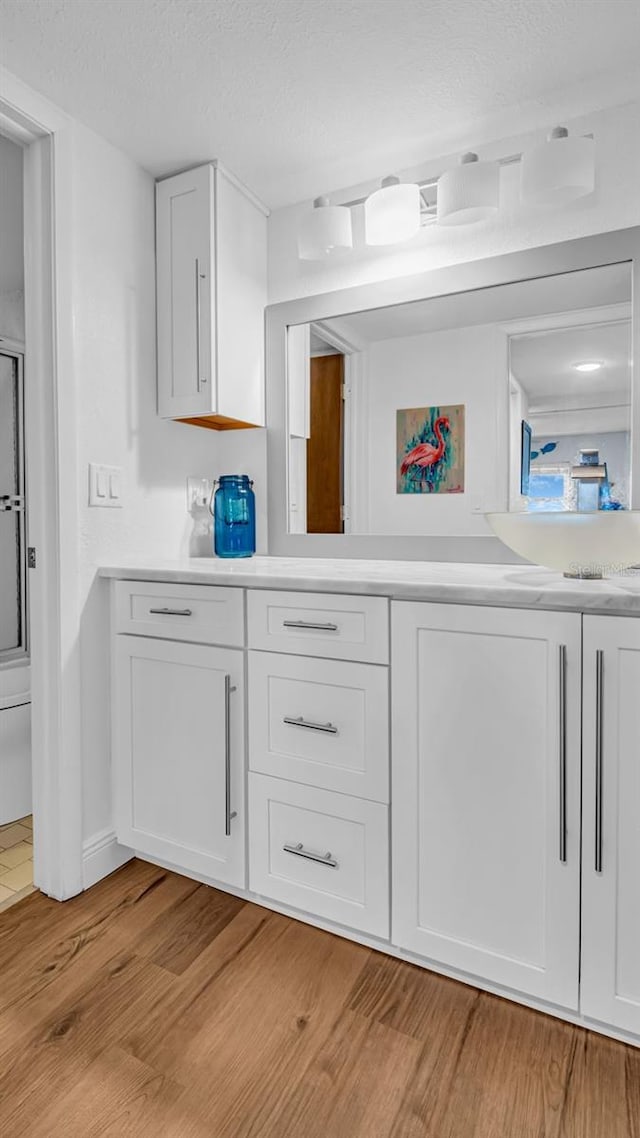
(324, 447)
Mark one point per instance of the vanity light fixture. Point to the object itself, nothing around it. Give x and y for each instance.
(558, 170)
(589, 365)
(325, 229)
(554, 172)
(392, 213)
(469, 192)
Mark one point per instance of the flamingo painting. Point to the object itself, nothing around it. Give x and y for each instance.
(431, 450)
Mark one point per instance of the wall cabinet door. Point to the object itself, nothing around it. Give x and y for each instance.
(610, 984)
(211, 256)
(179, 754)
(186, 303)
(486, 793)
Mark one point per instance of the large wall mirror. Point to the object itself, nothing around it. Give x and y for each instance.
(411, 419)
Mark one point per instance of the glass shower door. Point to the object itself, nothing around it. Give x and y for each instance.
(13, 630)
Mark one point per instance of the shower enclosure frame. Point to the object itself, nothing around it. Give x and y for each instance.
(16, 655)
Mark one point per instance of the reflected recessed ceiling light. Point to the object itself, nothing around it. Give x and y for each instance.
(589, 365)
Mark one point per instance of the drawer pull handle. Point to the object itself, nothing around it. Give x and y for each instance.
(300, 851)
(172, 612)
(310, 624)
(327, 728)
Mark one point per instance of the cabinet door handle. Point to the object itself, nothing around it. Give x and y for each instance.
(199, 276)
(228, 813)
(327, 728)
(300, 851)
(599, 757)
(562, 749)
(172, 612)
(310, 624)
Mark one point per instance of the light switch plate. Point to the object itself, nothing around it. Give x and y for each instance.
(105, 486)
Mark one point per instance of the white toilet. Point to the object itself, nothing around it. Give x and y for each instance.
(15, 743)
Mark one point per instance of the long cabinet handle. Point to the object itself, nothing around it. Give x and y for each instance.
(599, 757)
(310, 624)
(228, 813)
(562, 749)
(199, 276)
(300, 851)
(172, 612)
(327, 728)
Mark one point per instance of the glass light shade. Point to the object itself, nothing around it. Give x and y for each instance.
(392, 213)
(469, 192)
(559, 170)
(326, 228)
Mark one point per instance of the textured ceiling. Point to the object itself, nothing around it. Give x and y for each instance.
(301, 96)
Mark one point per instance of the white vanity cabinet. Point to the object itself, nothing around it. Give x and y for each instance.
(456, 784)
(610, 980)
(211, 260)
(178, 745)
(486, 793)
(319, 755)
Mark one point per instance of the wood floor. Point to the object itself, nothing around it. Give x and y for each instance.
(153, 1007)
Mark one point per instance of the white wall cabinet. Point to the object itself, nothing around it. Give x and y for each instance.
(486, 793)
(610, 983)
(211, 255)
(179, 754)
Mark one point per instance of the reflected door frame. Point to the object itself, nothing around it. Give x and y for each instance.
(355, 434)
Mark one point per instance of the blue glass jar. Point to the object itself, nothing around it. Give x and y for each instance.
(234, 517)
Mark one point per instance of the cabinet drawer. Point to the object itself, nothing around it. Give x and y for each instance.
(320, 722)
(325, 853)
(320, 624)
(205, 614)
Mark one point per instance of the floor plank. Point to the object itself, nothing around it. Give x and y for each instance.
(155, 1007)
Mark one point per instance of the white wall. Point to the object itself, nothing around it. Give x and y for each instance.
(615, 204)
(114, 303)
(461, 365)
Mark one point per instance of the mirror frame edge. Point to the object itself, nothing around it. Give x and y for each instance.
(579, 253)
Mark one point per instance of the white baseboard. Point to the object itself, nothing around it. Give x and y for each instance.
(101, 855)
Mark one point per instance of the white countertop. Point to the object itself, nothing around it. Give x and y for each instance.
(513, 586)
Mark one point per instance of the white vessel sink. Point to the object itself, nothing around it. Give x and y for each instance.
(578, 545)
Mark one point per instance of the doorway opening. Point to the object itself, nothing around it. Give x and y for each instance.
(16, 809)
(325, 446)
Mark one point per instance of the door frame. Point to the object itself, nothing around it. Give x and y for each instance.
(352, 417)
(47, 138)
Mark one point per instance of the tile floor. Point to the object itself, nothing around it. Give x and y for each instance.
(16, 861)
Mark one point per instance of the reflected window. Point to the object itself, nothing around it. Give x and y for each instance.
(550, 489)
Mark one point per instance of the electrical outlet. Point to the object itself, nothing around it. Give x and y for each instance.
(199, 491)
(105, 486)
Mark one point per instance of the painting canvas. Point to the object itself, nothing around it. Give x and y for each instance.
(430, 450)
